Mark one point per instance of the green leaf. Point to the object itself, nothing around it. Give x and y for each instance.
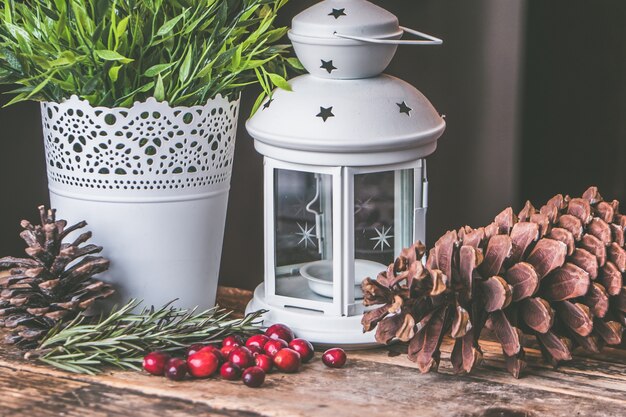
(121, 27)
(65, 58)
(279, 81)
(39, 87)
(108, 55)
(18, 98)
(257, 103)
(295, 63)
(183, 74)
(169, 25)
(114, 72)
(90, 86)
(11, 59)
(155, 70)
(159, 89)
(236, 61)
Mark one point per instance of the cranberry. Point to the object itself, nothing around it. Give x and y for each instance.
(242, 357)
(258, 340)
(154, 362)
(254, 377)
(280, 331)
(304, 348)
(334, 358)
(194, 348)
(255, 350)
(215, 350)
(230, 372)
(202, 364)
(264, 362)
(233, 340)
(226, 350)
(273, 346)
(287, 360)
(176, 369)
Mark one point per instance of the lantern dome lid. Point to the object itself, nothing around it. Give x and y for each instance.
(349, 17)
(371, 121)
(350, 39)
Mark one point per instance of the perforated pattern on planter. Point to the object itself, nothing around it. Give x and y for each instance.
(149, 148)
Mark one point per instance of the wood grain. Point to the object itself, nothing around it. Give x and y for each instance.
(379, 382)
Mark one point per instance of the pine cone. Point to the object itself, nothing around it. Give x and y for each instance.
(54, 284)
(555, 273)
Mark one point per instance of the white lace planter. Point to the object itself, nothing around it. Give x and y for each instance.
(152, 181)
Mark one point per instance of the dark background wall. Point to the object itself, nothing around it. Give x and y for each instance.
(534, 106)
(574, 115)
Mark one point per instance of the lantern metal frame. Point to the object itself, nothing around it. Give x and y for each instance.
(343, 305)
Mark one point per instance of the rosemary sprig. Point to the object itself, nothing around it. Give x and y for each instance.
(122, 338)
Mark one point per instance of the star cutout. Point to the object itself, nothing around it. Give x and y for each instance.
(328, 66)
(383, 238)
(404, 108)
(268, 104)
(307, 234)
(363, 205)
(337, 13)
(325, 113)
(300, 205)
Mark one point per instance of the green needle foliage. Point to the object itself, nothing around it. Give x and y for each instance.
(122, 338)
(115, 52)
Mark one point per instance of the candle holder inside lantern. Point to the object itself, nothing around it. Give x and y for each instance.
(345, 171)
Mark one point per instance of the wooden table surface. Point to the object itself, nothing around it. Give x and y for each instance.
(381, 382)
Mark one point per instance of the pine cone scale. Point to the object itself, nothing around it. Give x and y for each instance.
(537, 314)
(523, 280)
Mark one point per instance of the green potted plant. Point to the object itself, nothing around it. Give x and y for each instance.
(140, 100)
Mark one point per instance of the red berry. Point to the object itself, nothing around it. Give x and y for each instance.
(280, 331)
(233, 340)
(176, 369)
(258, 340)
(304, 348)
(273, 346)
(254, 377)
(226, 350)
(264, 362)
(242, 357)
(202, 364)
(154, 362)
(334, 358)
(194, 348)
(256, 350)
(287, 360)
(230, 372)
(215, 350)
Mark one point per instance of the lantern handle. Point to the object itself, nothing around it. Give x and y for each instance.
(428, 39)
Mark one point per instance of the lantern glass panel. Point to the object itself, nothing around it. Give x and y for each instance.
(303, 234)
(383, 215)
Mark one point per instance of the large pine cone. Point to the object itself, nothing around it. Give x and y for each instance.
(555, 273)
(54, 284)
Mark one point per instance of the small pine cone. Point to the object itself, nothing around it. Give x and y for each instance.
(54, 284)
(555, 273)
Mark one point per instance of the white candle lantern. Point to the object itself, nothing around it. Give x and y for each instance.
(345, 170)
